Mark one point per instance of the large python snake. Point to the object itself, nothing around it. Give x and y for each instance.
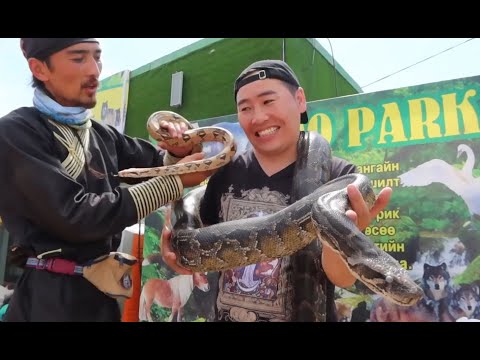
(320, 214)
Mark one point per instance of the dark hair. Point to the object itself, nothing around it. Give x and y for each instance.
(36, 83)
(292, 88)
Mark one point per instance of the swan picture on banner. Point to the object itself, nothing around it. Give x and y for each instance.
(460, 181)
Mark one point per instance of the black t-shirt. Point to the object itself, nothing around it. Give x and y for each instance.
(242, 189)
(245, 173)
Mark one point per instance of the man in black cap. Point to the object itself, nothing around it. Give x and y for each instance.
(271, 105)
(59, 198)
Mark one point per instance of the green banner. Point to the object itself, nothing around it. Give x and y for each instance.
(421, 141)
(112, 100)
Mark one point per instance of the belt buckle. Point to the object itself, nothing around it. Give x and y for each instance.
(42, 264)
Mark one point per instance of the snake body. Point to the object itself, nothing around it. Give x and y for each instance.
(320, 214)
(191, 136)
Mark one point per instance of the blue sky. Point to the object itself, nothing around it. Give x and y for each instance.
(366, 60)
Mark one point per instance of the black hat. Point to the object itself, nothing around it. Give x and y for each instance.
(41, 48)
(269, 69)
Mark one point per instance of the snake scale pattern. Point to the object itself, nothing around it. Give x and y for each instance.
(319, 215)
(191, 136)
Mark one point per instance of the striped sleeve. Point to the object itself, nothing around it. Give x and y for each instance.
(154, 193)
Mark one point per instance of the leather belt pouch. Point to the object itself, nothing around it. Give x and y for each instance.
(112, 274)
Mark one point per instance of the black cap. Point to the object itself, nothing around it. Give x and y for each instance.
(269, 69)
(41, 48)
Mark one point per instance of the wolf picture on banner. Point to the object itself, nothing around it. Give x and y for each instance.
(445, 300)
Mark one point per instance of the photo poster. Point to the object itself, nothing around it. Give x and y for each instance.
(421, 141)
(112, 100)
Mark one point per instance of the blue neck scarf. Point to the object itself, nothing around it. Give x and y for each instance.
(78, 117)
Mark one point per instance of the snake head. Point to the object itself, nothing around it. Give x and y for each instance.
(394, 284)
(403, 291)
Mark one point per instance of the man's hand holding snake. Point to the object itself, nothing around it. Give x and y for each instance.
(168, 255)
(360, 214)
(176, 130)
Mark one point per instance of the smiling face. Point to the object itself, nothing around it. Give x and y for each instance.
(269, 114)
(72, 74)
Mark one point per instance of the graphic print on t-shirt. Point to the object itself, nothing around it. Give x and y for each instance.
(253, 292)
